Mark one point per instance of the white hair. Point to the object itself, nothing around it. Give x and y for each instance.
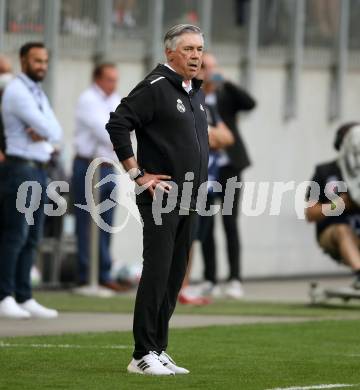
(172, 37)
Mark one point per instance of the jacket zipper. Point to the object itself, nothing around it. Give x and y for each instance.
(198, 143)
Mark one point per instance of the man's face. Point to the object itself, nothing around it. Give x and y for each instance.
(209, 66)
(186, 58)
(108, 80)
(35, 63)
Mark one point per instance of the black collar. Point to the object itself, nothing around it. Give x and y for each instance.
(174, 77)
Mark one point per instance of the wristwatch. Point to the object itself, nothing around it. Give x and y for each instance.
(135, 173)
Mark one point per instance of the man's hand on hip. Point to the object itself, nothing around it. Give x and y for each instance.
(152, 182)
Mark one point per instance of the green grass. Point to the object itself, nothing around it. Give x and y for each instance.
(65, 301)
(233, 357)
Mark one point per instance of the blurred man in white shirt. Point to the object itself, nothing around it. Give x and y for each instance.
(92, 141)
(31, 131)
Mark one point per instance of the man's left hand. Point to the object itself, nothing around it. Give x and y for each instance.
(152, 182)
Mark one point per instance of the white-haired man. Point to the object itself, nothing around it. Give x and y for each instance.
(166, 110)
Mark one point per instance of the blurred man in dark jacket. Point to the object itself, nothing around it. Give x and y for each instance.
(230, 100)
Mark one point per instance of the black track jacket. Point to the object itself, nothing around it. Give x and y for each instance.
(170, 126)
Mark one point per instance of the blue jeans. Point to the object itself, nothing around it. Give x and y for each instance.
(18, 239)
(83, 222)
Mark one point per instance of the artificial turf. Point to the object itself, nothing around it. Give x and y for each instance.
(262, 356)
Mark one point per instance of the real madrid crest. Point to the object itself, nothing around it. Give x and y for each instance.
(180, 106)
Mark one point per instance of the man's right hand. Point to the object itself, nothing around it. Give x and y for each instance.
(35, 137)
(151, 182)
(2, 157)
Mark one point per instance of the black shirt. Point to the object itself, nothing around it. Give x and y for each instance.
(231, 100)
(330, 173)
(170, 126)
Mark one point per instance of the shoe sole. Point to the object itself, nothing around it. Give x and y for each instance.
(181, 372)
(43, 317)
(133, 370)
(175, 369)
(15, 317)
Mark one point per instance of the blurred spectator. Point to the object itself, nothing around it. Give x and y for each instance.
(242, 11)
(274, 23)
(339, 235)
(5, 76)
(326, 13)
(187, 295)
(27, 19)
(229, 99)
(78, 18)
(31, 129)
(124, 13)
(191, 15)
(184, 11)
(92, 141)
(219, 138)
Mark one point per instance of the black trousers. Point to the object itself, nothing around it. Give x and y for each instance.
(231, 232)
(166, 253)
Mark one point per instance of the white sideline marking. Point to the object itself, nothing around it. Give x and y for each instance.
(63, 346)
(333, 386)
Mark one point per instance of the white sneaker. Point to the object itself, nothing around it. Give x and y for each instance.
(167, 361)
(216, 291)
(38, 311)
(234, 289)
(204, 288)
(149, 364)
(208, 288)
(10, 309)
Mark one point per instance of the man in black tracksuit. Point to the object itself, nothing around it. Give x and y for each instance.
(166, 111)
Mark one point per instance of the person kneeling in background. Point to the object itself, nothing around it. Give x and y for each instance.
(338, 236)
